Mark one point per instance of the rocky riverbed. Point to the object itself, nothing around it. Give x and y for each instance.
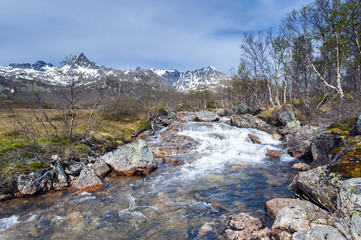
(193, 178)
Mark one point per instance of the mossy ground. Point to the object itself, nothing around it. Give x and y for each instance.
(349, 158)
(19, 155)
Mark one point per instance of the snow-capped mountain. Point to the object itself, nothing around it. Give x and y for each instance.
(192, 80)
(19, 78)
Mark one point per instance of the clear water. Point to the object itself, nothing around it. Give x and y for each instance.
(227, 174)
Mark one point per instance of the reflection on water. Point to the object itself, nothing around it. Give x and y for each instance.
(229, 174)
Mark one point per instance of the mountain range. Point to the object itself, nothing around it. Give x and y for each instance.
(18, 78)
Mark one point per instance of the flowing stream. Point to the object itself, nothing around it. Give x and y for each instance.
(226, 174)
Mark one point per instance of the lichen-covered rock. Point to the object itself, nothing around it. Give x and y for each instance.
(316, 186)
(350, 197)
(130, 159)
(240, 109)
(286, 114)
(321, 148)
(60, 173)
(319, 232)
(74, 169)
(39, 181)
(206, 116)
(101, 168)
(88, 181)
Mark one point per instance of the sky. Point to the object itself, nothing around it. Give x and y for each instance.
(126, 34)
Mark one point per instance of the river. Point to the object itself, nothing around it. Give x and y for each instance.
(226, 174)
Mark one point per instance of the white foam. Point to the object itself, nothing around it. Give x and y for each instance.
(8, 222)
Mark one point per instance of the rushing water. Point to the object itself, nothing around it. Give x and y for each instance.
(226, 174)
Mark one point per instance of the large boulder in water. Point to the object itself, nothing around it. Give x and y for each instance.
(39, 181)
(206, 116)
(130, 159)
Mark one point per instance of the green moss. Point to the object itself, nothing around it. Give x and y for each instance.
(349, 164)
(163, 111)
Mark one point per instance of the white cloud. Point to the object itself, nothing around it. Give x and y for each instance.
(126, 34)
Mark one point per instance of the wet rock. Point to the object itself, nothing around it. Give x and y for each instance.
(4, 197)
(301, 167)
(286, 114)
(166, 118)
(273, 153)
(130, 159)
(88, 181)
(60, 173)
(319, 232)
(173, 160)
(274, 206)
(213, 230)
(243, 226)
(39, 181)
(254, 138)
(358, 125)
(250, 121)
(276, 136)
(206, 116)
(74, 169)
(238, 165)
(316, 186)
(101, 168)
(321, 148)
(299, 145)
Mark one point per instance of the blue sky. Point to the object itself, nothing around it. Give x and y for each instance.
(180, 34)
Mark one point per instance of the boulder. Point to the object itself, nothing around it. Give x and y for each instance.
(350, 196)
(301, 167)
(319, 232)
(39, 181)
(88, 181)
(299, 145)
(101, 168)
(173, 160)
(224, 112)
(166, 118)
(250, 121)
(273, 153)
(298, 218)
(130, 159)
(244, 226)
(206, 116)
(274, 206)
(74, 169)
(291, 127)
(286, 114)
(316, 186)
(358, 125)
(60, 173)
(240, 109)
(321, 148)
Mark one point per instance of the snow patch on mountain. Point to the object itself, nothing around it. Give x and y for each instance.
(209, 77)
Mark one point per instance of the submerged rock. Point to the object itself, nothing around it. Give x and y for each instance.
(88, 181)
(39, 181)
(206, 116)
(130, 159)
(254, 138)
